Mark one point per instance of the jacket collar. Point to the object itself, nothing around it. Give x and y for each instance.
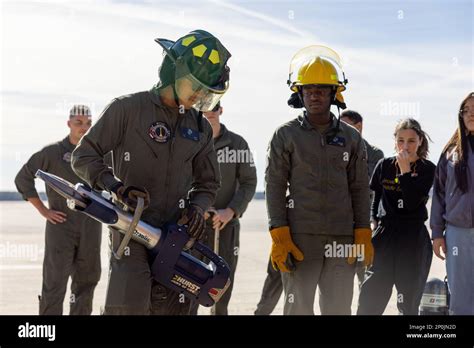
(223, 139)
(67, 144)
(155, 97)
(304, 121)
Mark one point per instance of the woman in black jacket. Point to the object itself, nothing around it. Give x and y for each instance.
(401, 241)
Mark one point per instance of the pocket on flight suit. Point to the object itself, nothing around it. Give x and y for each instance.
(188, 149)
(186, 177)
(339, 157)
(338, 200)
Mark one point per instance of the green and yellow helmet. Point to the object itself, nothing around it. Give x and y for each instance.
(201, 59)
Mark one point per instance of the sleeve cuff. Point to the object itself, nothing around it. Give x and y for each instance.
(277, 223)
(236, 210)
(362, 225)
(437, 233)
(404, 178)
(30, 194)
(202, 200)
(108, 181)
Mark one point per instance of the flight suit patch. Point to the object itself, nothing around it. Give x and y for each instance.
(189, 133)
(67, 157)
(337, 141)
(159, 132)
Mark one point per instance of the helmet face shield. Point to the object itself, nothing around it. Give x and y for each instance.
(192, 93)
(201, 74)
(316, 65)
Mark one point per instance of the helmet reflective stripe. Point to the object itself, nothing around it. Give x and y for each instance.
(435, 298)
(188, 40)
(214, 57)
(80, 110)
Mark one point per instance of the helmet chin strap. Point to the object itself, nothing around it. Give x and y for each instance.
(175, 95)
(334, 99)
(338, 110)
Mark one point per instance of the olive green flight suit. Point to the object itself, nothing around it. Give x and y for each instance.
(158, 148)
(72, 248)
(326, 175)
(238, 184)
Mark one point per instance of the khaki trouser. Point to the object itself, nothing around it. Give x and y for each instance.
(229, 251)
(271, 292)
(332, 275)
(75, 254)
(131, 289)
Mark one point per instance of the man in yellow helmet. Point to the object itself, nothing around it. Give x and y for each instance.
(322, 226)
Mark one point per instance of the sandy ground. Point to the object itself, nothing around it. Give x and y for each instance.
(21, 227)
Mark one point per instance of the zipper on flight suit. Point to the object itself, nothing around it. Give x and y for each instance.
(167, 183)
(324, 187)
(320, 177)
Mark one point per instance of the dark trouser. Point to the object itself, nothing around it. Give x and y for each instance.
(75, 254)
(403, 256)
(271, 292)
(229, 244)
(131, 289)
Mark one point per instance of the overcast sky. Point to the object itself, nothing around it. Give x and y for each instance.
(400, 57)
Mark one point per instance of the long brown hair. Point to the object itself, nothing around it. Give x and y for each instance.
(459, 143)
(411, 123)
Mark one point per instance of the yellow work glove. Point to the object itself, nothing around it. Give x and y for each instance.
(282, 247)
(363, 236)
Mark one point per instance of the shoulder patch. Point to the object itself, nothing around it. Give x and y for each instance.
(159, 132)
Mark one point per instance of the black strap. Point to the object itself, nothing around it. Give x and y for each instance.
(199, 121)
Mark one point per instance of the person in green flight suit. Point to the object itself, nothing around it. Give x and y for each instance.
(163, 152)
(238, 184)
(72, 242)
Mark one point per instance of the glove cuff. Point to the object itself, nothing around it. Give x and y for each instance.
(198, 208)
(362, 234)
(115, 187)
(280, 234)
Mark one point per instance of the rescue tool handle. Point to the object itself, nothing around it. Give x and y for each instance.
(212, 211)
(128, 235)
(207, 252)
